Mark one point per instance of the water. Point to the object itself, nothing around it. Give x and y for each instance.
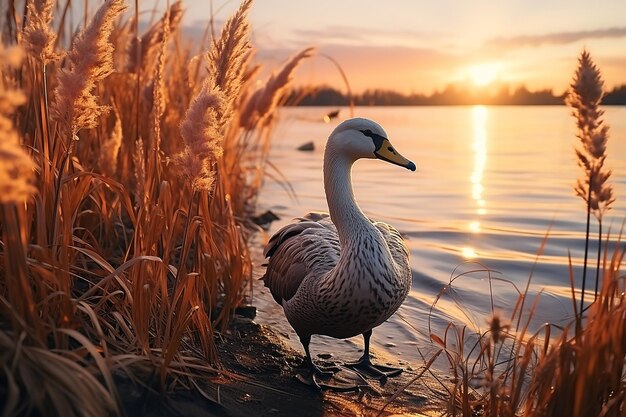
(491, 184)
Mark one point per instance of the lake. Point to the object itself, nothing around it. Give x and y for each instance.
(491, 183)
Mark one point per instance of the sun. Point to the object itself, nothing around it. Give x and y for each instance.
(483, 74)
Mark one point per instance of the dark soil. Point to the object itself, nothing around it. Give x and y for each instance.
(259, 380)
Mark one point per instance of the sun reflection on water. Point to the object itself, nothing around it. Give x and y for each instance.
(479, 116)
(479, 146)
(469, 253)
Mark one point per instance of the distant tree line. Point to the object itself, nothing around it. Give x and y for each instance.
(451, 95)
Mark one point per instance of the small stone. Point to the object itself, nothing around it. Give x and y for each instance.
(307, 147)
(246, 311)
(324, 355)
(331, 115)
(390, 344)
(265, 220)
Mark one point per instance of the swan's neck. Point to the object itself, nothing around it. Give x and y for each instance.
(344, 211)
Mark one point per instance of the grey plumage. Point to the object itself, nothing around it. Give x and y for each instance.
(345, 276)
(321, 298)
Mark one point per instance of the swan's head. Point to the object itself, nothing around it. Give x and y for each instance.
(363, 138)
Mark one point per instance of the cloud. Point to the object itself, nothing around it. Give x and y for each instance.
(341, 33)
(369, 67)
(559, 38)
(334, 34)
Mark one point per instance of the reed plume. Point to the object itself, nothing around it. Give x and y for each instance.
(16, 167)
(584, 97)
(39, 37)
(264, 100)
(139, 164)
(498, 326)
(209, 114)
(111, 146)
(90, 60)
(228, 61)
(158, 87)
(143, 50)
(202, 138)
(9, 58)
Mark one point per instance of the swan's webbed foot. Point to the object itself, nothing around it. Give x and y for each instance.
(326, 378)
(367, 369)
(320, 371)
(323, 377)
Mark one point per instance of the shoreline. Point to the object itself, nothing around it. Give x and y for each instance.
(259, 379)
(259, 357)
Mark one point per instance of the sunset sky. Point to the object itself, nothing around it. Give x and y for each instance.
(417, 46)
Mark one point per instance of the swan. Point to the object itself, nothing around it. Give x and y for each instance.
(341, 274)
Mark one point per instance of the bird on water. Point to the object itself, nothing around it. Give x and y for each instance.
(341, 274)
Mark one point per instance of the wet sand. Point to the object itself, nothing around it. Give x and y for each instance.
(259, 381)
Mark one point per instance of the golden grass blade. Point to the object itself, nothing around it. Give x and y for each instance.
(95, 354)
(56, 378)
(114, 274)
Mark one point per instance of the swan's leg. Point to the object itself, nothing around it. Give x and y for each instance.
(365, 366)
(322, 377)
(320, 371)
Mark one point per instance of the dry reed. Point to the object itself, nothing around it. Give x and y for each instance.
(142, 51)
(111, 262)
(203, 128)
(16, 166)
(584, 97)
(90, 61)
(39, 38)
(583, 375)
(111, 146)
(139, 165)
(202, 138)
(264, 100)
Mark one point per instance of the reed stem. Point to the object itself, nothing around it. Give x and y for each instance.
(184, 251)
(595, 294)
(57, 193)
(582, 295)
(138, 67)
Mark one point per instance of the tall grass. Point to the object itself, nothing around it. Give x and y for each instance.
(126, 181)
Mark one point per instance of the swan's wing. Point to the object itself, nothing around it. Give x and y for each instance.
(395, 242)
(308, 247)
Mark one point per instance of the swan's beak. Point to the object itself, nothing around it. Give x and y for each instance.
(388, 153)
